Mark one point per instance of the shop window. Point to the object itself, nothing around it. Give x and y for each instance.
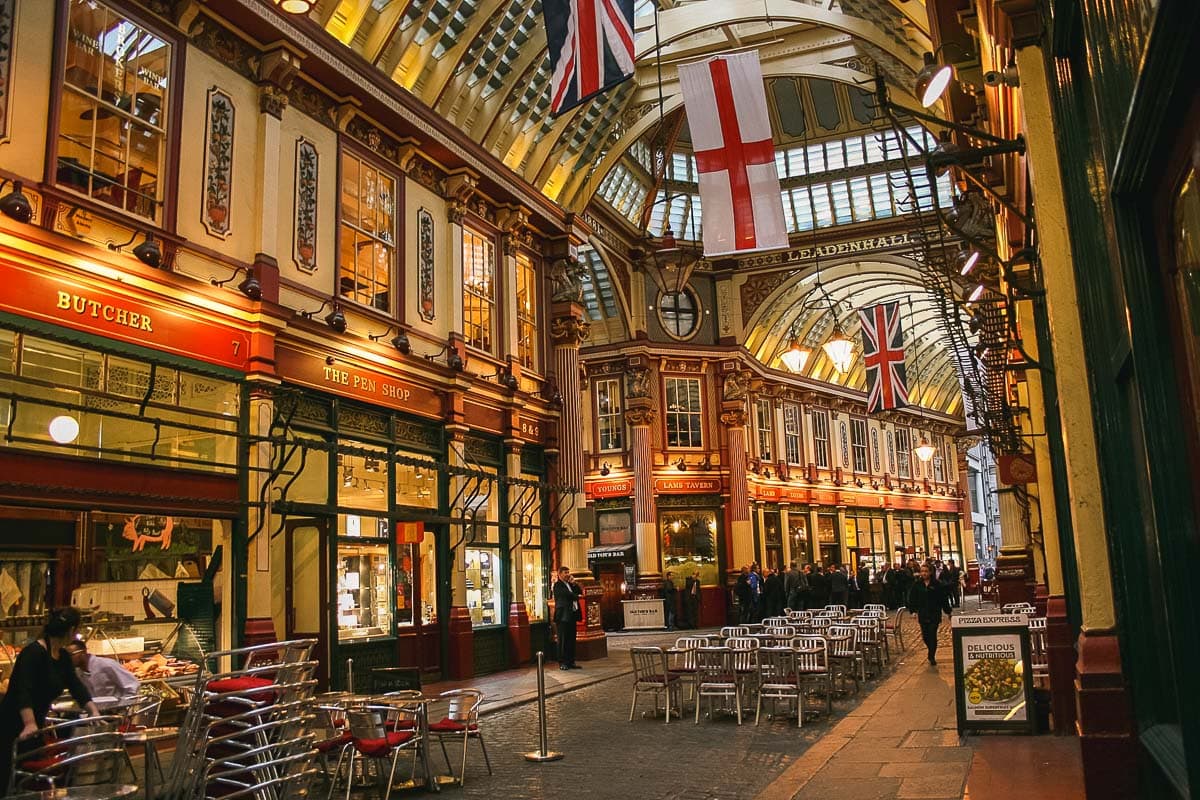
(762, 423)
(364, 578)
(112, 116)
(528, 575)
(417, 485)
(366, 238)
(689, 544)
(791, 434)
(683, 420)
(484, 601)
(820, 425)
(828, 542)
(527, 312)
(858, 444)
(416, 574)
(679, 314)
(362, 479)
(69, 399)
(610, 422)
(306, 468)
(148, 547)
(533, 583)
(479, 290)
(903, 459)
(798, 534)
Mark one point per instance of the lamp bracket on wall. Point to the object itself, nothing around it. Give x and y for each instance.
(399, 341)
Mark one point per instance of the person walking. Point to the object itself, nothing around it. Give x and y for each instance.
(928, 600)
(691, 601)
(566, 613)
(42, 671)
(955, 583)
(669, 595)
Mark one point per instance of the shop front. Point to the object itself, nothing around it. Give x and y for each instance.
(945, 538)
(909, 538)
(613, 557)
(690, 547)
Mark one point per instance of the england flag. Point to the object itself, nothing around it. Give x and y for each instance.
(591, 48)
(741, 208)
(883, 355)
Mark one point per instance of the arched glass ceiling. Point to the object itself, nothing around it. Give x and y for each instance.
(798, 309)
(483, 65)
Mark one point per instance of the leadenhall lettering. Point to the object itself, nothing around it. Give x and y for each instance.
(96, 309)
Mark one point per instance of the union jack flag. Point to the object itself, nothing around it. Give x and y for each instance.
(591, 48)
(883, 355)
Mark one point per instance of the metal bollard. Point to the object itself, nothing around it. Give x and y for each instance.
(350, 675)
(543, 753)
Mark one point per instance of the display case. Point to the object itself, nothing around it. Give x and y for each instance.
(364, 591)
(483, 587)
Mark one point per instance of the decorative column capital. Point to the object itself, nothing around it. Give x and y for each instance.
(276, 69)
(569, 331)
(734, 418)
(460, 187)
(272, 100)
(640, 416)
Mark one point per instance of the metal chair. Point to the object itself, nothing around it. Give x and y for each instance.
(880, 607)
(870, 640)
(844, 653)
(372, 739)
(650, 675)
(795, 617)
(778, 680)
(1039, 657)
(895, 626)
(715, 678)
(458, 718)
(735, 630)
(836, 608)
(79, 752)
(745, 663)
(682, 660)
(812, 666)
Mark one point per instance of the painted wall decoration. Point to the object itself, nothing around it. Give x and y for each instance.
(891, 448)
(845, 446)
(8, 22)
(425, 274)
(218, 163)
(875, 450)
(305, 244)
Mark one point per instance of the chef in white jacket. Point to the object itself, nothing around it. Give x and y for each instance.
(104, 677)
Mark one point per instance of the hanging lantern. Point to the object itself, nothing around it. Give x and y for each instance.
(796, 356)
(924, 450)
(840, 350)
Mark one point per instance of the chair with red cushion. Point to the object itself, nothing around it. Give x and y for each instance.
(716, 677)
(456, 717)
(75, 753)
(373, 737)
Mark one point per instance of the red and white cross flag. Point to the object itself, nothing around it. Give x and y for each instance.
(741, 207)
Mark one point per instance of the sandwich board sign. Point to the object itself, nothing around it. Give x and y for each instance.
(993, 682)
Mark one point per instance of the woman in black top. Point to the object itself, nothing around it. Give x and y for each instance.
(928, 600)
(41, 673)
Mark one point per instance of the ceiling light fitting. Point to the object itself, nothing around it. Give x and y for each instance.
(924, 450)
(296, 7)
(249, 286)
(148, 252)
(669, 263)
(15, 205)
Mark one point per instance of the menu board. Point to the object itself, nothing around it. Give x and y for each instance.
(992, 680)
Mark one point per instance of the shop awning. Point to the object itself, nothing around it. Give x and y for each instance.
(611, 552)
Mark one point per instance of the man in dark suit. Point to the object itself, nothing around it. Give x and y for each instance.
(566, 614)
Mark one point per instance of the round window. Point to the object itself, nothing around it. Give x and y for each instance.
(679, 313)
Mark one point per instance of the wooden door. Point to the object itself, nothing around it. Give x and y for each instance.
(306, 589)
(611, 614)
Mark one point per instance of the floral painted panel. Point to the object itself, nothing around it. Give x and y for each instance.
(306, 205)
(425, 277)
(8, 21)
(218, 163)
(845, 446)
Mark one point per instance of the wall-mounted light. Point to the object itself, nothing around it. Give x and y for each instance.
(453, 360)
(249, 286)
(334, 319)
(399, 341)
(504, 377)
(64, 429)
(932, 80)
(680, 464)
(967, 259)
(605, 468)
(148, 252)
(15, 204)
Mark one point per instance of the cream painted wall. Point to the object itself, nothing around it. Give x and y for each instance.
(445, 282)
(295, 125)
(202, 74)
(23, 152)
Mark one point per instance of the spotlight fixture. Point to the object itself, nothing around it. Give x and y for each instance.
(504, 377)
(399, 341)
(453, 360)
(680, 464)
(334, 319)
(967, 259)
(605, 468)
(15, 204)
(296, 7)
(148, 252)
(976, 293)
(249, 285)
(932, 80)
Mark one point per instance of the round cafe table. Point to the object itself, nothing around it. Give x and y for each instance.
(101, 791)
